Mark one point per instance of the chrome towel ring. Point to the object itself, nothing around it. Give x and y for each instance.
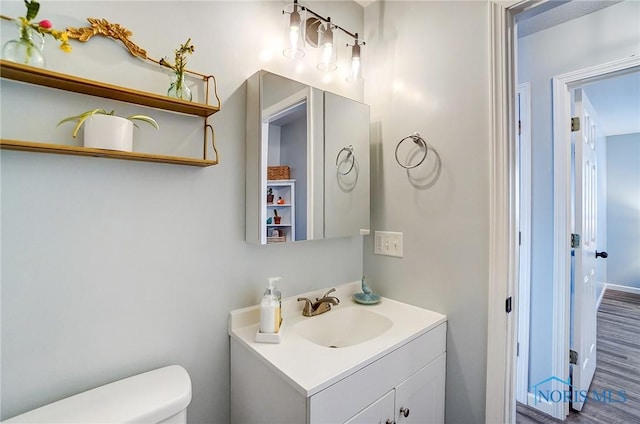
(350, 154)
(419, 141)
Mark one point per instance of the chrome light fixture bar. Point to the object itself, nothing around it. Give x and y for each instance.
(319, 32)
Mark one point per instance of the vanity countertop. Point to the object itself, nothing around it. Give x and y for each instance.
(310, 367)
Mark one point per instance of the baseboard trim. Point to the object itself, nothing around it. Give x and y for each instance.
(618, 287)
(542, 405)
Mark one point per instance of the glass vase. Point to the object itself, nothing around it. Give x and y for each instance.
(27, 48)
(178, 88)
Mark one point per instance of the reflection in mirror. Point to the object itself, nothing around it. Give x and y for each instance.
(285, 135)
(287, 159)
(307, 162)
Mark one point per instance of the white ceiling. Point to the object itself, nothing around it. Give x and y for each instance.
(556, 12)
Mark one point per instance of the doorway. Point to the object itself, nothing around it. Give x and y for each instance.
(563, 85)
(504, 266)
(567, 89)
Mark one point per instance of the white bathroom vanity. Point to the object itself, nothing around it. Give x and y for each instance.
(382, 363)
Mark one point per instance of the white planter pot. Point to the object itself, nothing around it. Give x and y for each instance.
(108, 132)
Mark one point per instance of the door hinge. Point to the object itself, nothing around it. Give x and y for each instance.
(575, 240)
(575, 124)
(519, 127)
(573, 357)
(508, 305)
(518, 349)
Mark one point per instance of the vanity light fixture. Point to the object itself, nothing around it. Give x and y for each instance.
(319, 32)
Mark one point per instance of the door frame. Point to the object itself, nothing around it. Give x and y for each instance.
(500, 386)
(562, 100)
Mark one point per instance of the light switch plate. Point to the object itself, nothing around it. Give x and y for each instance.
(388, 243)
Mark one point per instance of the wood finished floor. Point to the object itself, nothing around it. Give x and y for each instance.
(618, 366)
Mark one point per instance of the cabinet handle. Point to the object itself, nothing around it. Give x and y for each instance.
(390, 422)
(404, 411)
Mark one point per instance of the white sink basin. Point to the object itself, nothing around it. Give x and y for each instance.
(362, 334)
(343, 327)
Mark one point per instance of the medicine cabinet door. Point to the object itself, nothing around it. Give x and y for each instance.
(346, 167)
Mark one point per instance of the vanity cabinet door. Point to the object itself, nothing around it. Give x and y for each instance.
(420, 398)
(353, 394)
(379, 412)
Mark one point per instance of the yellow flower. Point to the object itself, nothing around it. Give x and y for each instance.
(43, 27)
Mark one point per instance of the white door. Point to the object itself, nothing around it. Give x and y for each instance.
(523, 138)
(379, 412)
(584, 311)
(420, 398)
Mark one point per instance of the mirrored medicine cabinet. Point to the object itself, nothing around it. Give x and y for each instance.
(307, 159)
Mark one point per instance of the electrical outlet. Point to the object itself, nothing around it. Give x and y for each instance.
(377, 249)
(388, 243)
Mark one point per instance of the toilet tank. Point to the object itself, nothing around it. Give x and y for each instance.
(158, 396)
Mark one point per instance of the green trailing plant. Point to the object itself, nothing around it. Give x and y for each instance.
(80, 119)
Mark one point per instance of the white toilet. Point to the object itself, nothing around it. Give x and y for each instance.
(158, 396)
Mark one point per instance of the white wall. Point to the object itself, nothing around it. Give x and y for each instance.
(427, 70)
(623, 205)
(609, 34)
(111, 268)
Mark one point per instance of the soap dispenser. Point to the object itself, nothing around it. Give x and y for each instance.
(270, 310)
(273, 282)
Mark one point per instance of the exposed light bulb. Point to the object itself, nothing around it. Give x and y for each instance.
(355, 68)
(327, 60)
(293, 37)
(355, 74)
(327, 49)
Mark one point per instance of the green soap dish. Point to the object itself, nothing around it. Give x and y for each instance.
(366, 298)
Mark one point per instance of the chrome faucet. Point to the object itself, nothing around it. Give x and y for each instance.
(320, 306)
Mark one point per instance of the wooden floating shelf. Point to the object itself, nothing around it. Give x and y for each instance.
(43, 77)
(29, 146)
